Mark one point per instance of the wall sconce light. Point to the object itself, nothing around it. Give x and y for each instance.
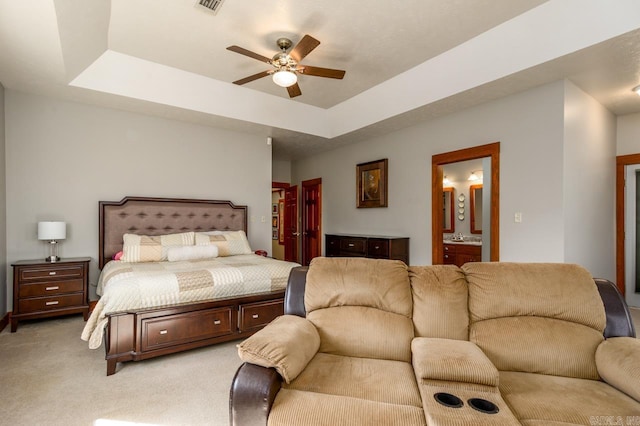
(52, 232)
(473, 176)
(637, 90)
(446, 181)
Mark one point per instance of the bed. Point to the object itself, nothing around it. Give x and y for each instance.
(196, 301)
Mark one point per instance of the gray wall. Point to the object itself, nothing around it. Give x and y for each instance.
(3, 209)
(628, 135)
(530, 127)
(64, 157)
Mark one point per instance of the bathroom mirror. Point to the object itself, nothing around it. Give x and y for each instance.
(448, 209)
(475, 205)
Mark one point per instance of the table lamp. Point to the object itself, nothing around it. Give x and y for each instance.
(52, 232)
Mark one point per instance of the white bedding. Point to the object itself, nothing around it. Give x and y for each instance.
(127, 286)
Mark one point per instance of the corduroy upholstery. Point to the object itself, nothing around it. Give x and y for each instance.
(527, 338)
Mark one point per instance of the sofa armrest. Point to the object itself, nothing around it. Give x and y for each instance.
(287, 344)
(294, 295)
(619, 323)
(452, 361)
(618, 363)
(253, 391)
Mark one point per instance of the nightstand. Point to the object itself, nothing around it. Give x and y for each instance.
(48, 289)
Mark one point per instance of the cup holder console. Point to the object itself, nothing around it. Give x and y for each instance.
(448, 400)
(483, 405)
(478, 404)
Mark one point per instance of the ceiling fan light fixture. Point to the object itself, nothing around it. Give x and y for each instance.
(285, 78)
(637, 90)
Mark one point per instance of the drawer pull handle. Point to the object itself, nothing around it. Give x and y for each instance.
(216, 322)
(377, 247)
(163, 331)
(254, 316)
(52, 288)
(55, 302)
(351, 244)
(52, 273)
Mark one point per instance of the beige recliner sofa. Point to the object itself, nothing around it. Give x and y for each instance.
(373, 342)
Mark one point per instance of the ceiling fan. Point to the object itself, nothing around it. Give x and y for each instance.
(286, 66)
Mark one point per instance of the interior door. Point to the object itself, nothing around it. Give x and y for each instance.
(291, 233)
(311, 219)
(632, 235)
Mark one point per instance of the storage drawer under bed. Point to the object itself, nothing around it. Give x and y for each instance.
(257, 315)
(172, 330)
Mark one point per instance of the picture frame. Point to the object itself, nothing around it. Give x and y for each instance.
(372, 184)
(274, 222)
(274, 208)
(281, 221)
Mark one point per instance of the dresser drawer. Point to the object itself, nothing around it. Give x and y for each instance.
(51, 272)
(181, 328)
(378, 248)
(51, 288)
(353, 246)
(257, 315)
(50, 303)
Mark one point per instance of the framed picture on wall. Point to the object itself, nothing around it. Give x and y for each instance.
(281, 221)
(274, 208)
(372, 183)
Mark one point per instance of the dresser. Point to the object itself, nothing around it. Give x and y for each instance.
(46, 289)
(460, 253)
(371, 246)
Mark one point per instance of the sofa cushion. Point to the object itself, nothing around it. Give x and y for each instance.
(380, 284)
(440, 301)
(538, 399)
(363, 332)
(540, 318)
(287, 344)
(618, 361)
(453, 361)
(389, 382)
(294, 407)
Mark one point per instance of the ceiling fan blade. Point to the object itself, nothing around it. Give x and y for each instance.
(294, 90)
(321, 72)
(304, 47)
(252, 77)
(249, 53)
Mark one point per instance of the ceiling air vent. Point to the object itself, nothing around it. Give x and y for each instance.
(212, 5)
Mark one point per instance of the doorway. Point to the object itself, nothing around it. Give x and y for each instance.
(284, 199)
(491, 197)
(628, 227)
(311, 219)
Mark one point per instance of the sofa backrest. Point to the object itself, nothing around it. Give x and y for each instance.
(537, 318)
(361, 307)
(440, 301)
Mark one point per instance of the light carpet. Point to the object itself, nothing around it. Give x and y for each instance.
(48, 376)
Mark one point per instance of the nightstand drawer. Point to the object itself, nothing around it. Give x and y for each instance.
(260, 314)
(51, 288)
(50, 303)
(51, 272)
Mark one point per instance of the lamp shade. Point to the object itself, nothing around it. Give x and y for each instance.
(52, 230)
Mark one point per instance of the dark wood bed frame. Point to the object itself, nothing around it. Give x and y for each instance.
(147, 333)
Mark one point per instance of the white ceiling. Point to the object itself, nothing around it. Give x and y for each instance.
(405, 61)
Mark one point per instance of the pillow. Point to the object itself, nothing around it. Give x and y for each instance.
(117, 256)
(175, 254)
(229, 243)
(145, 248)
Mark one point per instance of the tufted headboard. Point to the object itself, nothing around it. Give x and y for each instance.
(157, 216)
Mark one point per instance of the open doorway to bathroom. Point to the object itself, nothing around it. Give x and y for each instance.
(486, 202)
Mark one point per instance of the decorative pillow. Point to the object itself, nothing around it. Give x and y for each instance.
(117, 256)
(229, 243)
(145, 248)
(175, 254)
